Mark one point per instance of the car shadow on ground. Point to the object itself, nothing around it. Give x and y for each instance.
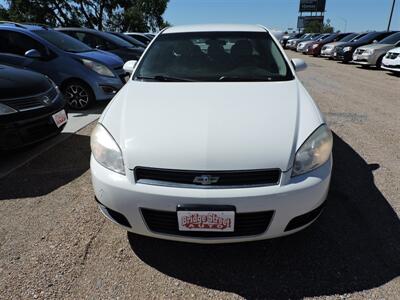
(52, 169)
(353, 246)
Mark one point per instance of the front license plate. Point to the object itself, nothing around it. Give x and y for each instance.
(220, 221)
(60, 118)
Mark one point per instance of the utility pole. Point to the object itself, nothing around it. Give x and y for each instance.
(391, 15)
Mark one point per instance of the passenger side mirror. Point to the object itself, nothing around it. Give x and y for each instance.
(299, 64)
(129, 66)
(33, 53)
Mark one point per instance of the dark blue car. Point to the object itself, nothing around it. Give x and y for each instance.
(82, 73)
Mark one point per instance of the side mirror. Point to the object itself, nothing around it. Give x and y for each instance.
(129, 66)
(299, 64)
(33, 53)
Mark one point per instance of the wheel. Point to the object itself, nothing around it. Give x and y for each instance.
(379, 62)
(78, 95)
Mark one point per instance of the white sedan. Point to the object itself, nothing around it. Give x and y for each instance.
(213, 140)
(391, 61)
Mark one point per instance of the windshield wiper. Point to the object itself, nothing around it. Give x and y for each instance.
(238, 78)
(163, 78)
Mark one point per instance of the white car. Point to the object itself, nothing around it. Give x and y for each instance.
(391, 61)
(214, 139)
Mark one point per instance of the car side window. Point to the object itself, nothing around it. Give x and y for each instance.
(18, 43)
(93, 41)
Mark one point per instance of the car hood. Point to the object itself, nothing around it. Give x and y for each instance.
(395, 50)
(334, 44)
(377, 46)
(16, 83)
(211, 125)
(106, 58)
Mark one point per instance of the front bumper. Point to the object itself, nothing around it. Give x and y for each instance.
(25, 128)
(105, 88)
(343, 56)
(293, 197)
(393, 68)
(327, 53)
(365, 60)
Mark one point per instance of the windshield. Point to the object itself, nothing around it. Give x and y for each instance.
(349, 37)
(118, 41)
(368, 37)
(63, 41)
(391, 39)
(214, 56)
(129, 39)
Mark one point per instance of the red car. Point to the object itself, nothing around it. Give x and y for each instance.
(315, 48)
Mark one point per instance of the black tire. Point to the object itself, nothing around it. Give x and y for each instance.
(78, 95)
(379, 62)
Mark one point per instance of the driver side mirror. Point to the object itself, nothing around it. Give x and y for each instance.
(100, 47)
(299, 64)
(129, 66)
(33, 53)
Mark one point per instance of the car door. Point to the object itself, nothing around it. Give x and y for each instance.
(14, 45)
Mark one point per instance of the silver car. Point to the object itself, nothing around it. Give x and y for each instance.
(328, 50)
(292, 43)
(372, 54)
(303, 46)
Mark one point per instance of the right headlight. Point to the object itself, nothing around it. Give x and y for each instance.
(6, 110)
(347, 49)
(314, 152)
(97, 67)
(106, 151)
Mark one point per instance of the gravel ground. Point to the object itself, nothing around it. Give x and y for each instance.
(55, 244)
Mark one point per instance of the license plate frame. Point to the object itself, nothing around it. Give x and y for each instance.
(199, 218)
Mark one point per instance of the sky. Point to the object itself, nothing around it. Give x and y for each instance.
(360, 15)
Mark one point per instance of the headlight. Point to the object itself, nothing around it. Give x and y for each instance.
(314, 152)
(98, 68)
(369, 51)
(314, 46)
(106, 151)
(347, 49)
(6, 110)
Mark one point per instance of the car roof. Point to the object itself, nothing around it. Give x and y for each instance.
(214, 27)
(23, 26)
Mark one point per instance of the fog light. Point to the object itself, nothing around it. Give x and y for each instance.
(109, 89)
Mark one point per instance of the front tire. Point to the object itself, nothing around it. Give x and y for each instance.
(78, 95)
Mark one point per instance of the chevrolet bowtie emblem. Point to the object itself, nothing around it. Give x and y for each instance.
(206, 179)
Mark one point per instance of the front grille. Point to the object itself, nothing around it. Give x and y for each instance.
(32, 102)
(246, 224)
(392, 55)
(215, 178)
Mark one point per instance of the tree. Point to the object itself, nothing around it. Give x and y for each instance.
(135, 15)
(316, 26)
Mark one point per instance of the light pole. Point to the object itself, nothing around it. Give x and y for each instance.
(391, 15)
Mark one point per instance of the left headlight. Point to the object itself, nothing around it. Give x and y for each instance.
(347, 49)
(97, 67)
(315, 46)
(369, 51)
(106, 151)
(6, 110)
(314, 152)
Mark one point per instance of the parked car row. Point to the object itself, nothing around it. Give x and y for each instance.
(44, 71)
(86, 64)
(380, 49)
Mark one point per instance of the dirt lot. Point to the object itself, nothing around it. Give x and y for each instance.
(55, 244)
